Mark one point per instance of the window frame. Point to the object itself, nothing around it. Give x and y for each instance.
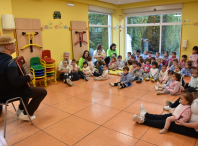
(109, 26)
(161, 24)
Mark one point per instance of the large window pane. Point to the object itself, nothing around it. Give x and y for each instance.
(143, 19)
(143, 38)
(98, 19)
(98, 35)
(170, 40)
(171, 18)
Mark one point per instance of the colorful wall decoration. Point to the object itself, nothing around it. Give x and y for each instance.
(55, 26)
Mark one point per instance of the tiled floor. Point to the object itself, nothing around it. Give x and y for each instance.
(92, 114)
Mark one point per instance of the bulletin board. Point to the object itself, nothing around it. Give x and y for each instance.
(78, 50)
(28, 26)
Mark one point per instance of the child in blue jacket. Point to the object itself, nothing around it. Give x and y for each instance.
(125, 81)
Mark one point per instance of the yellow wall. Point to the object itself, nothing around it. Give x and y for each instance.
(190, 32)
(5, 8)
(56, 40)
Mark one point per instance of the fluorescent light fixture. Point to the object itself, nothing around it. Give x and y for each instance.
(177, 15)
(70, 5)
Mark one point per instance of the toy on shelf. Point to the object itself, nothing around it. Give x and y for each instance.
(31, 40)
(38, 71)
(49, 64)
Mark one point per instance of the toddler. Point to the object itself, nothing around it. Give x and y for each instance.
(74, 71)
(172, 58)
(128, 56)
(100, 67)
(130, 66)
(165, 58)
(114, 55)
(163, 75)
(194, 57)
(113, 64)
(133, 58)
(101, 57)
(67, 78)
(181, 113)
(120, 63)
(90, 64)
(145, 55)
(177, 69)
(159, 62)
(149, 55)
(104, 75)
(86, 70)
(175, 62)
(154, 73)
(138, 54)
(141, 60)
(157, 55)
(187, 71)
(138, 73)
(134, 53)
(193, 85)
(125, 81)
(152, 60)
(182, 63)
(147, 68)
(174, 87)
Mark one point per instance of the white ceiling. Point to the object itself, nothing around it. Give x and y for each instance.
(118, 2)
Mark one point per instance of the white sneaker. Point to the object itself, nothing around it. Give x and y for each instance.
(159, 92)
(168, 102)
(111, 84)
(147, 79)
(164, 82)
(158, 84)
(25, 117)
(138, 119)
(156, 88)
(18, 112)
(166, 108)
(70, 82)
(142, 111)
(119, 87)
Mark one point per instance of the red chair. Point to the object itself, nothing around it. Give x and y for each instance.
(46, 56)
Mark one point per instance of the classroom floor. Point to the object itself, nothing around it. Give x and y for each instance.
(92, 114)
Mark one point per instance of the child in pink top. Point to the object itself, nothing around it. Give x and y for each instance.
(181, 113)
(147, 68)
(174, 88)
(172, 58)
(182, 63)
(194, 57)
(113, 64)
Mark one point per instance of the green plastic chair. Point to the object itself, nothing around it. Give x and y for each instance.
(36, 64)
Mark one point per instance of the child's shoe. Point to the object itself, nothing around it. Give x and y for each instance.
(147, 79)
(111, 84)
(64, 81)
(159, 92)
(156, 88)
(153, 80)
(164, 82)
(86, 78)
(163, 131)
(18, 112)
(119, 87)
(168, 102)
(70, 82)
(158, 84)
(139, 81)
(138, 119)
(166, 108)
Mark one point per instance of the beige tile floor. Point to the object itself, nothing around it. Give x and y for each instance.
(92, 114)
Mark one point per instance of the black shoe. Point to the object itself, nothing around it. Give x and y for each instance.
(138, 81)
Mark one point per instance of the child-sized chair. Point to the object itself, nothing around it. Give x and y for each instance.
(49, 64)
(38, 71)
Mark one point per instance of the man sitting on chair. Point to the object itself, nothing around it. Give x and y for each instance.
(12, 84)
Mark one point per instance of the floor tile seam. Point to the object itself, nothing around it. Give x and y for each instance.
(91, 101)
(147, 142)
(152, 102)
(195, 142)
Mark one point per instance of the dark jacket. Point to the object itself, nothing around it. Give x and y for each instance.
(12, 84)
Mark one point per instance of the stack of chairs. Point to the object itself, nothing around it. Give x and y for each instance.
(38, 71)
(49, 64)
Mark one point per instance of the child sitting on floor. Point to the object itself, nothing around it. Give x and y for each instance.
(114, 55)
(101, 58)
(170, 63)
(175, 62)
(145, 55)
(154, 73)
(138, 73)
(193, 85)
(74, 71)
(113, 64)
(182, 63)
(174, 88)
(159, 62)
(86, 70)
(194, 57)
(137, 54)
(149, 55)
(133, 58)
(67, 78)
(147, 68)
(141, 60)
(120, 63)
(104, 75)
(152, 60)
(125, 81)
(165, 58)
(128, 56)
(157, 55)
(187, 71)
(90, 64)
(163, 75)
(129, 65)
(181, 113)
(100, 67)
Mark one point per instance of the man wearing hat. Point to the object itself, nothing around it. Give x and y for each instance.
(12, 84)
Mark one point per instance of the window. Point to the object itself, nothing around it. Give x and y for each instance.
(99, 30)
(156, 33)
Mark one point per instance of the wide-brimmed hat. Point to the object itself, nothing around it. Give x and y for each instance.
(6, 39)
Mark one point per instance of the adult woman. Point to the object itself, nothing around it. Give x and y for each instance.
(112, 50)
(158, 121)
(97, 55)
